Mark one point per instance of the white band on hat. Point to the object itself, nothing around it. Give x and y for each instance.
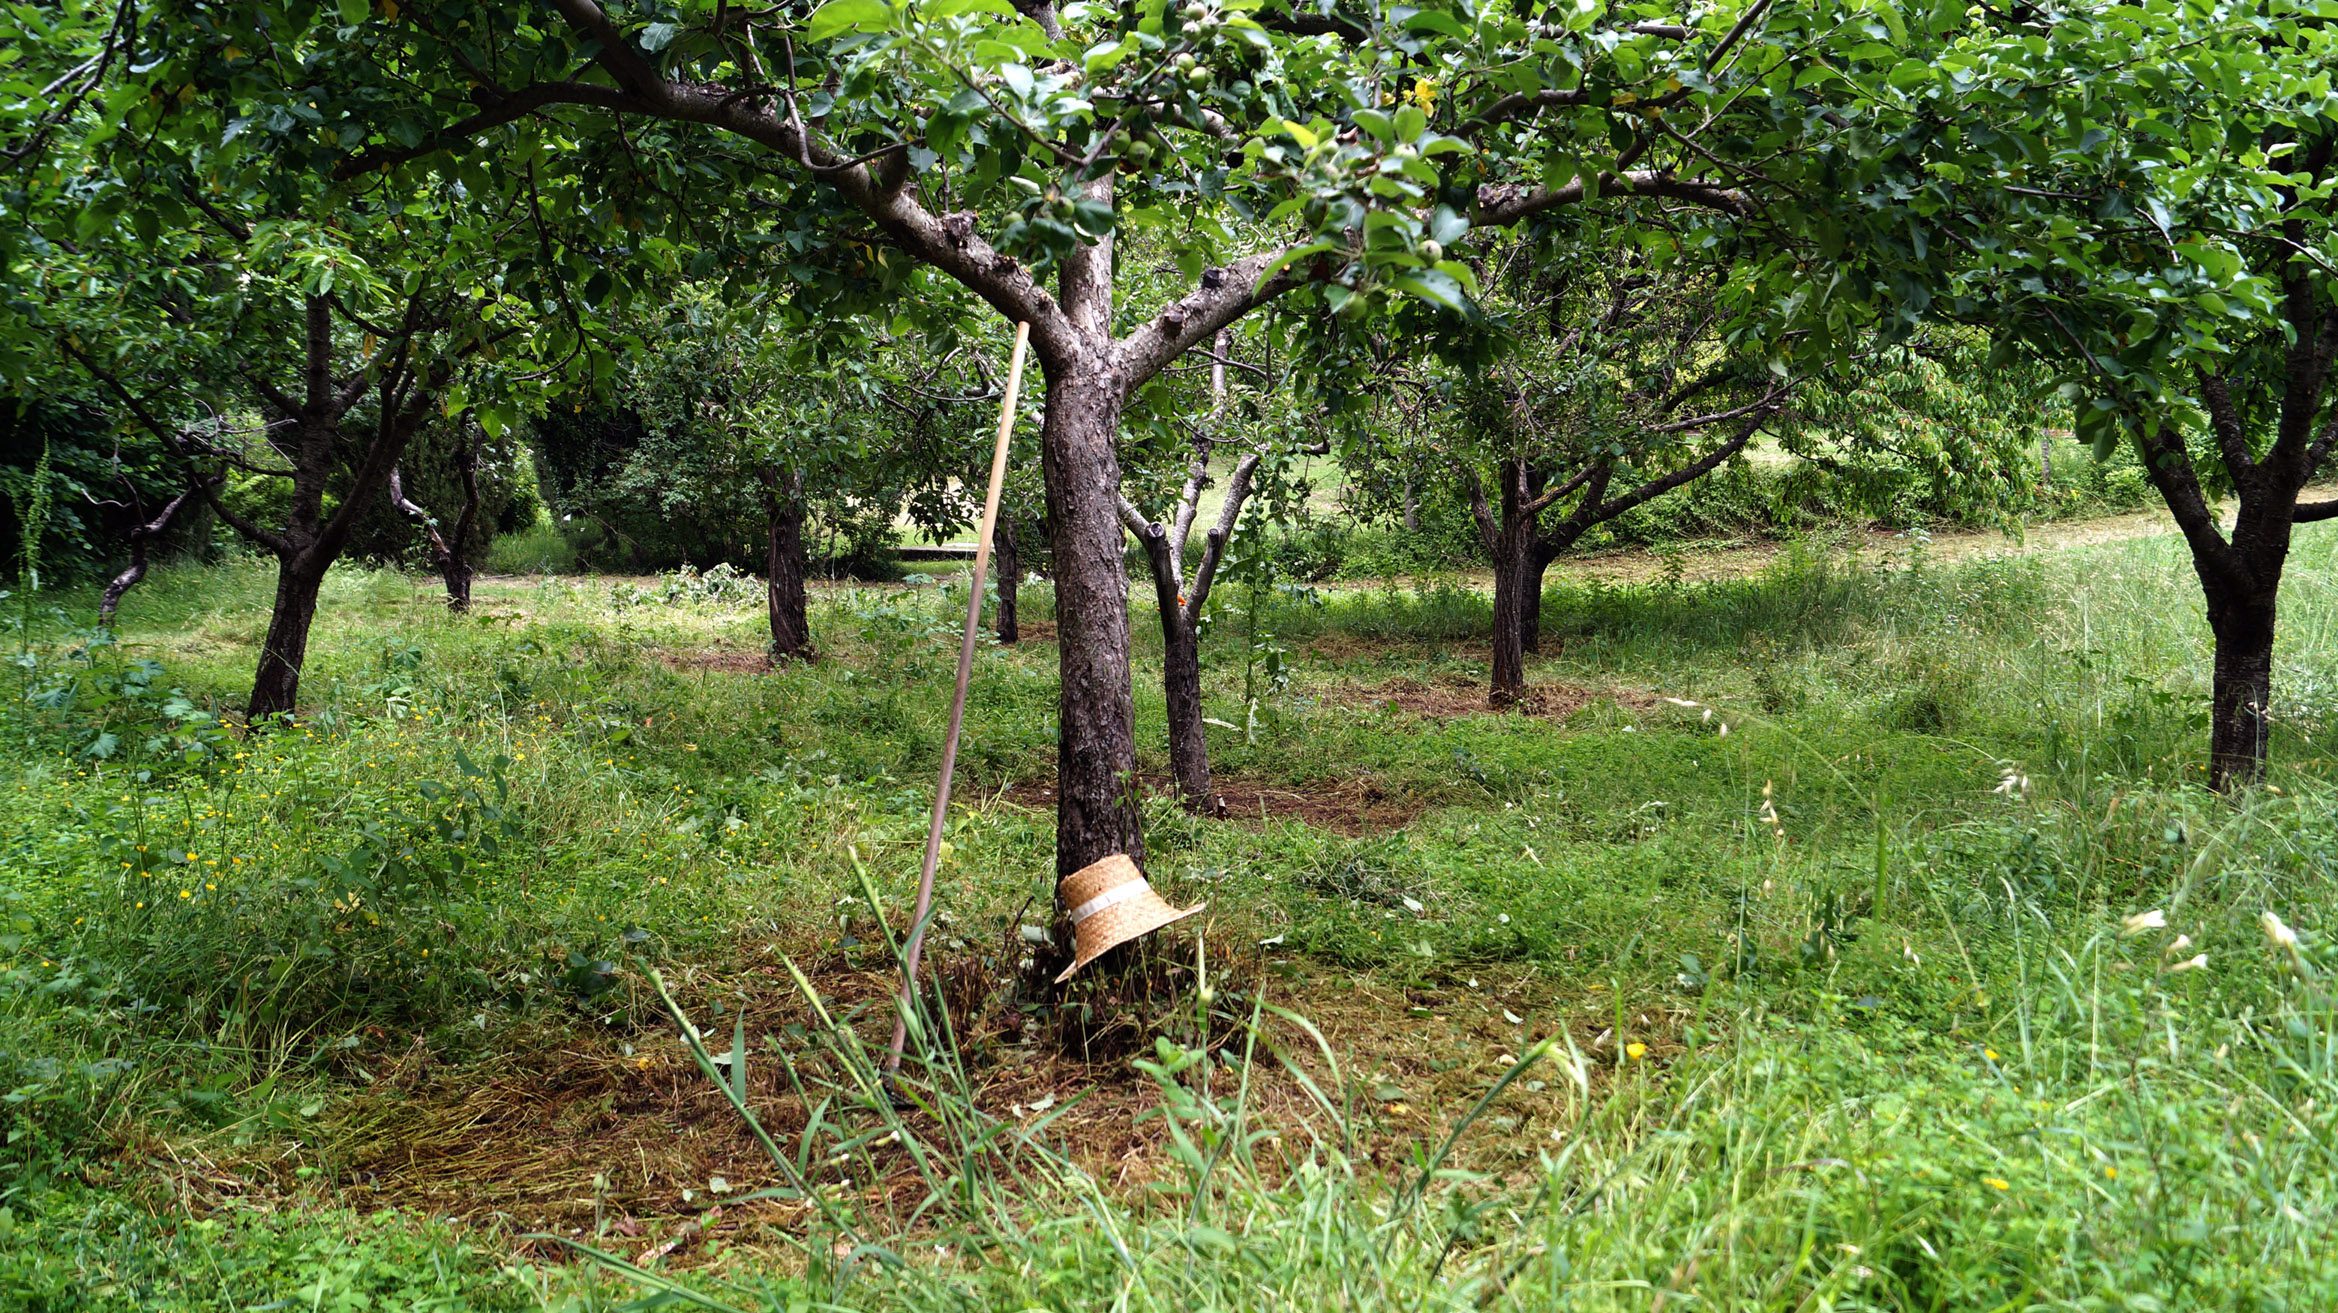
(1113, 897)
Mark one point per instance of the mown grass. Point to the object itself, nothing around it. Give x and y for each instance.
(1819, 887)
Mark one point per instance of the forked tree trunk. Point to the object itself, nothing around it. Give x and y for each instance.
(784, 567)
(1010, 574)
(300, 576)
(1096, 811)
(2243, 688)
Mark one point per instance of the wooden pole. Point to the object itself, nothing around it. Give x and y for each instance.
(933, 833)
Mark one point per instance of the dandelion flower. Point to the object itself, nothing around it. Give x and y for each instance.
(1996, 1183)
(2278, 933)
(2155, 919)
(1635, 1050)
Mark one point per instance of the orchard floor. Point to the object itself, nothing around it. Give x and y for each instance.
(1778, 956)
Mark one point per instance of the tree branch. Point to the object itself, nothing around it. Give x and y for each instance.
(1227, 293)
(1213, 550)
(1502, 204)
(2224, 420)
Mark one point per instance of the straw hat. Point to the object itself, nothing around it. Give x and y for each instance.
(1111, 904)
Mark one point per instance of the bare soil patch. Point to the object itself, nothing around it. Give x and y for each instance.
(620, 1134)
(1356, 806)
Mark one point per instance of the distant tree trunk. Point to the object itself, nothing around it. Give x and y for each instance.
(1189, 749)
(784, 565)
(141, 538)
(1508, 534)
(1010, 575)
(1412, 505)
(300, 577)
(2045, 459)
(1513, 555)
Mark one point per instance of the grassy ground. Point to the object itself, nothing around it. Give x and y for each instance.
(1782, 958)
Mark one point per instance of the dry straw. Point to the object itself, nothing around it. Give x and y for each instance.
(1110, 903)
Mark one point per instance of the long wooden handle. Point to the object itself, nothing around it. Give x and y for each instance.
(933, 833)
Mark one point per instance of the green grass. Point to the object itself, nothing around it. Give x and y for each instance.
(1897, 1052)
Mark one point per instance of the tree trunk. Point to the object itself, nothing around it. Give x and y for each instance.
(457, 573)
(122, 583)
(2243, 688)
(141, 538)
(1514, 575)
(1096, 811)
(783, 567)
(1538, 562)
(300, 576)
(1010, 574)
(1189, 746)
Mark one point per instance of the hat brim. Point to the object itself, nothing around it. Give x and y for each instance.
(1139, 931)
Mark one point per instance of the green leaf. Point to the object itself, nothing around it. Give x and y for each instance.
(1435, 287)
(837, 17)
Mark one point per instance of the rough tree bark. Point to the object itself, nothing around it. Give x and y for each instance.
(1096, 811)
(1538, 564)
(300, 576)
(784, 565)
(2243, 622)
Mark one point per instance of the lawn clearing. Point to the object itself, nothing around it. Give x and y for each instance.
(1791, 928)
